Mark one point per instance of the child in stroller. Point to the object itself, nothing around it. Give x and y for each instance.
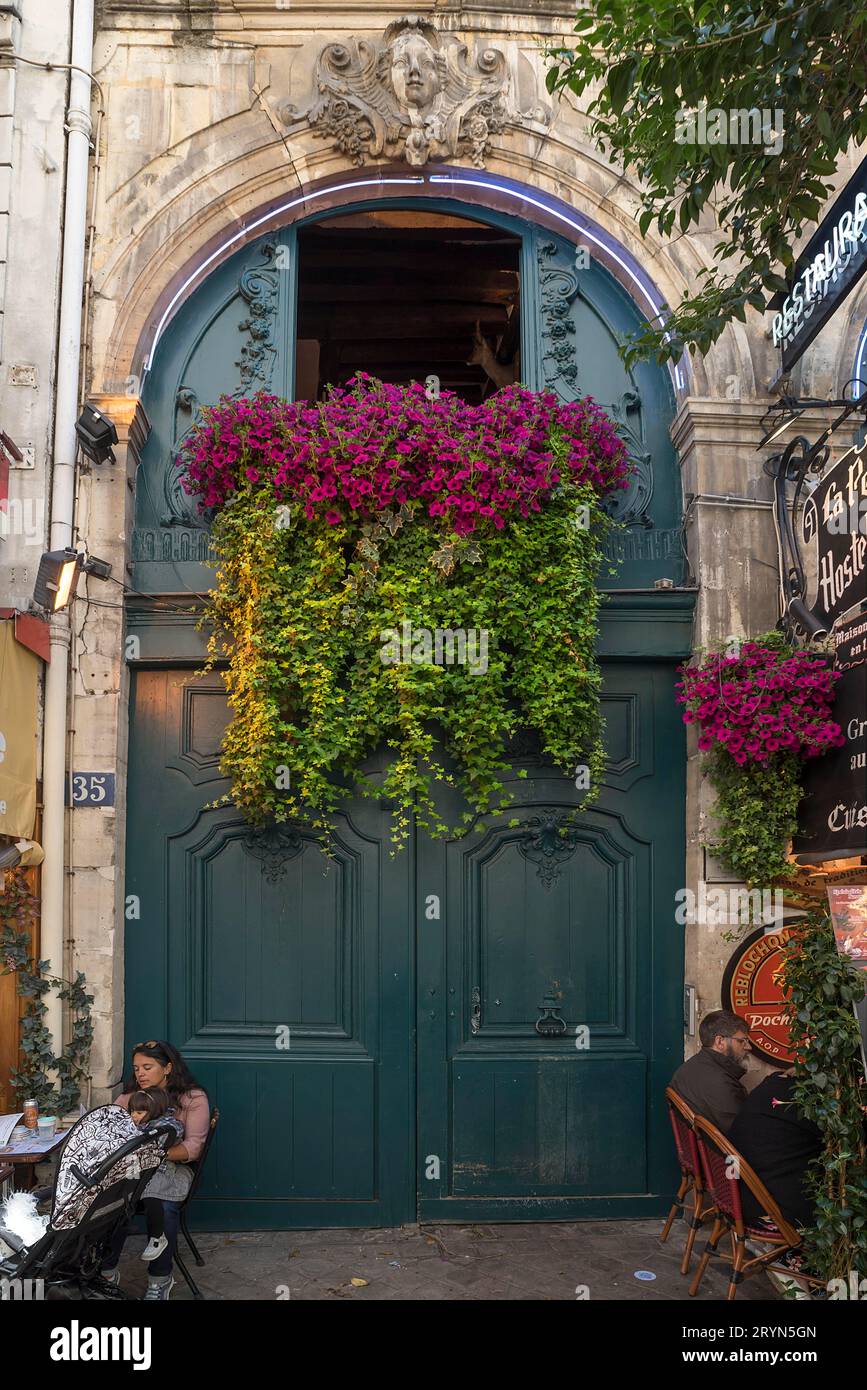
(104, 1166)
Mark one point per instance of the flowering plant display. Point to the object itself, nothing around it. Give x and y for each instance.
(762, 707)
(368, 543)
(378, 446)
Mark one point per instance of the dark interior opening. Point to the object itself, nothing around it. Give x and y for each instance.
(405, 295)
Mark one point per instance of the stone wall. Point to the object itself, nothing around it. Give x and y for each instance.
(200, 139)
(32, 151)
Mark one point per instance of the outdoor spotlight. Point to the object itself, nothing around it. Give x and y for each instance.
(56, 578)
(806, 620)
(58, 574)
(775, 429)
(96, 434)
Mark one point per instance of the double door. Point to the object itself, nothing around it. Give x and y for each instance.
(476, 1029)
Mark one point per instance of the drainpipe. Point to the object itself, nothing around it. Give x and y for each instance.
(78, 128)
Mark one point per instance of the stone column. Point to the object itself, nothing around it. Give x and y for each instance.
(732, 550)
(99, 719)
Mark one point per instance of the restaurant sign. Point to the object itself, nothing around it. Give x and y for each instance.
(832, 820)
(752, 988)
(828, 268)
(834, 526)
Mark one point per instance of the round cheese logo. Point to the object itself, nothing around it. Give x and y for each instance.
(753, 989)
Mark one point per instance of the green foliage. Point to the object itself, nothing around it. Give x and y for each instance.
(757, 814)
(652, 61)
(823, 987)
(18, 911)
(304, 613)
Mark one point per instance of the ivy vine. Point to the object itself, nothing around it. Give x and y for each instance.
(822, 987)
(19, 910)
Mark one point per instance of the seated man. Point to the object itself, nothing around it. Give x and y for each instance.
(710, 1082)
(780, 1144)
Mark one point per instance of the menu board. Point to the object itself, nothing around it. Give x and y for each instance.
(848, 903)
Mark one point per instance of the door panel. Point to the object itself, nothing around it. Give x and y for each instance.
(282, 973)
(569, 927)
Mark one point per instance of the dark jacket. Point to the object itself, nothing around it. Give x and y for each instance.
(780, 1144)
(710, 1083)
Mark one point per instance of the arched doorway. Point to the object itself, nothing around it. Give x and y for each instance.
(415, 1082)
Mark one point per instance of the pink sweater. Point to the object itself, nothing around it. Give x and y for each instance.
(194, 1115)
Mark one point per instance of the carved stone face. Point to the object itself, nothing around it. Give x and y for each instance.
(414, 73)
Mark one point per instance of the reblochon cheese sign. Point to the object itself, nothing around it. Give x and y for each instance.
(828, 268)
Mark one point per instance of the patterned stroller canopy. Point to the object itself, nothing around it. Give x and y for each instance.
(91, 1141)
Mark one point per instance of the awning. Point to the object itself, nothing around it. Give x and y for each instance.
(19, 686)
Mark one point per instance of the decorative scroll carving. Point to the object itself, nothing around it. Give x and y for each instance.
(274, 846)
(414, 92)
(259, 286)
(549, 845)
(630, 506)
(558, 288)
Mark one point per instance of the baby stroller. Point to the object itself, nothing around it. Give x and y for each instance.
(104, 1166)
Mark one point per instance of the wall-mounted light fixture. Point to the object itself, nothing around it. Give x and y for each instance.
(58, 573)
(96, 434)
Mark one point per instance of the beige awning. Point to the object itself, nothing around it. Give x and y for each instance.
(19, 686)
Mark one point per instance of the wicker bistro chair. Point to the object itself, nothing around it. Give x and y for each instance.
(716, 1154)
(691, 1176)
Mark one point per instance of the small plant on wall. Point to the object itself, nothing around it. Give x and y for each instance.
(396, 570)
(762, 707)
(55, 1081)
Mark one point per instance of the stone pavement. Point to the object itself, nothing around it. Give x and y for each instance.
(533, 1261)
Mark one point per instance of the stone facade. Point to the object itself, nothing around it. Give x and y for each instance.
(219, 112)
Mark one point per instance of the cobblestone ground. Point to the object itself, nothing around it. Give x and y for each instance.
(533, 1261)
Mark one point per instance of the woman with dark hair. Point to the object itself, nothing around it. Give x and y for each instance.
(160, 1064)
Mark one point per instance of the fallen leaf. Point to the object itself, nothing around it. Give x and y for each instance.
(359, 1283)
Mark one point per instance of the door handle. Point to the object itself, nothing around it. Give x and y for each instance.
(549, 1024)
(476, 1015)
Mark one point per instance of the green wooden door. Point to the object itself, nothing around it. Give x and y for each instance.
(575, 933)
(367, 1024)
(284, 975)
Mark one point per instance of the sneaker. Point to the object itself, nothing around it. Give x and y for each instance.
(158, 1290)
(111, 1276)
(155, 1246)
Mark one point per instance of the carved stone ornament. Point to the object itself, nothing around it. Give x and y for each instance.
(415, 92)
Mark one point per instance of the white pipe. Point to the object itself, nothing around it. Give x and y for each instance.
(78, 126)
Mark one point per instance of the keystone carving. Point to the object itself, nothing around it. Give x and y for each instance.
(414, 93)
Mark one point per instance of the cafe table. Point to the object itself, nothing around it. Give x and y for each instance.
(24, 1156)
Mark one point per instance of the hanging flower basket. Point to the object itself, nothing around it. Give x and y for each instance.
(403, 571)
(762, 708)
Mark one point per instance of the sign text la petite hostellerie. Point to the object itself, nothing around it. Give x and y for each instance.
(834, 527)
(830, 265)
(832, 818)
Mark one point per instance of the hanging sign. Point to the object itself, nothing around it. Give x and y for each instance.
(832, 819)
(834, 527)
(752, 988)
(826, 271)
